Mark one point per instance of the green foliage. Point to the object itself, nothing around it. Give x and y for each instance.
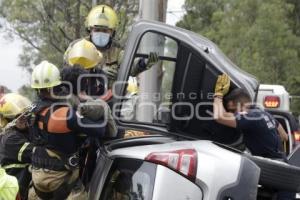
(48, 26)
(28, 92)
(262, 37)
(200, 13)
(4, 90)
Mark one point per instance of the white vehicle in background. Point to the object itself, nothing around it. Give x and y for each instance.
(273, 97)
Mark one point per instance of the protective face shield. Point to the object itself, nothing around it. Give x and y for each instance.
(100, 39)
(83, 53)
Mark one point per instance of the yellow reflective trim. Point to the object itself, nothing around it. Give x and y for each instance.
(82, 135)
(21, 151)
(15, 166)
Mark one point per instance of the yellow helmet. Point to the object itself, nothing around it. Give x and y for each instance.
(103, 16)
(85, 54)
(45, 75)
(13, 104)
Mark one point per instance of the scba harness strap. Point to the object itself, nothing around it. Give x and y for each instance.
(48, 159)
(35, 134)
(42, 120)
(44, 155)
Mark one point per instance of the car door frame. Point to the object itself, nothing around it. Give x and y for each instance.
(288, 118)
(204, 48)
(289, 132)
(100, 178)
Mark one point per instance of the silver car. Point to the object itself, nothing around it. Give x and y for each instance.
(194, 158)
(175, 170)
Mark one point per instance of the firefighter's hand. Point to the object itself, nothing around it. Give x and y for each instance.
(93, 109)
(96, 110)
(222, 85)
(152, 60)
(111, 72)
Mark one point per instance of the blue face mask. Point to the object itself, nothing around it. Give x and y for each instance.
(100, 39)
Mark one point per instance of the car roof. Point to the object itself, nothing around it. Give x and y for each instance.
(276, 89)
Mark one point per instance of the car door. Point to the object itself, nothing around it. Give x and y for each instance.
(124, 178)
(193, 108)
(287, 145)
(180, 100)
(147, 110)
(289, 123)
(101, 171)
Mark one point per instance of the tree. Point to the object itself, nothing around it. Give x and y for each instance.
(295, 16)
(48, 26)
(4, 90)
(199, 15)
(259, 36)
(27, 91)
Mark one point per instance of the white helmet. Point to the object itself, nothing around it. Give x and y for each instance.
(45, 75)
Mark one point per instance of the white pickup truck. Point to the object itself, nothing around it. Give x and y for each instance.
(273, 97)
(276, 100)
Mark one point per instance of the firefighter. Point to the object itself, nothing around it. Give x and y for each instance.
(8, 186)
(101, 24)
(55, 159)
(248, 119)
(15, 145)
(84, 55)
(259, 128)
(92, 109)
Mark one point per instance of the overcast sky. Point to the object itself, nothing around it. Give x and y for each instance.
(13, 77)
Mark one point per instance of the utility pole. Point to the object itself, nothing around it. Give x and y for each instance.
(94, 3)
(150, 10)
